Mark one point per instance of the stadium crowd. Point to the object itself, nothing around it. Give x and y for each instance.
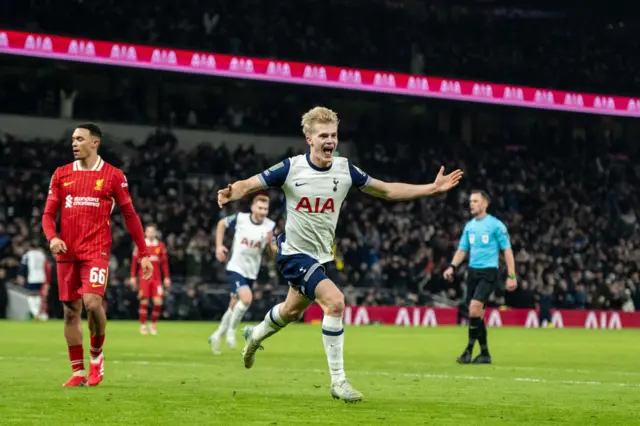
(587, 49)
(572, 218)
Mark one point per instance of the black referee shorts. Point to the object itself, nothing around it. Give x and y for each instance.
(481, 283)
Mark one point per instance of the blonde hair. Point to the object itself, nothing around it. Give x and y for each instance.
(260, 197)
(318, 115)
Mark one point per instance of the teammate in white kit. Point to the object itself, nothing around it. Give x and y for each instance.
(315, 185)
(253, 233)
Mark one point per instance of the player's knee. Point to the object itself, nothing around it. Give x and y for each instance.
(92, 303)
(72, 312)
(476, 308)
(335, 306)
(157, 301)
(290, 312)
(245, 297)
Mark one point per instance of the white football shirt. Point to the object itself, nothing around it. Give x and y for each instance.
(249, 241)
(314, 198)
(33, 262)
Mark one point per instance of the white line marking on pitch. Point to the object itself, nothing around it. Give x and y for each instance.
(363, 373)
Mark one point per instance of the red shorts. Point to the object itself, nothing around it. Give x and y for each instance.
(150, 289)
(82, 276)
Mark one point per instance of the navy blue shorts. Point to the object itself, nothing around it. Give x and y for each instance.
(303, 272)
(34, 287)
(236, 281)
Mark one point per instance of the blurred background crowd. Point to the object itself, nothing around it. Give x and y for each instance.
(566, 185)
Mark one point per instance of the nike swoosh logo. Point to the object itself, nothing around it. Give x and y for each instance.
(97, 285)
(300, 184)
(68, 183)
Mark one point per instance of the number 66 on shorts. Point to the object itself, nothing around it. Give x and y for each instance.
(80, 277)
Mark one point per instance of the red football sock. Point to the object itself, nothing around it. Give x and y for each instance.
(76, 358)
(157, 310)
(143, 311)
(96, 345)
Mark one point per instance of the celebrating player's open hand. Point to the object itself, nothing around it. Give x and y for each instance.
(224, 196)
(147, 268)
(446, 182)
(221, 253)
(57, 246)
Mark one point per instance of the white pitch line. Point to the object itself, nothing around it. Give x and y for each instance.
(362, 373)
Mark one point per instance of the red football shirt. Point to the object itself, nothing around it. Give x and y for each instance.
(158, 256)
(87, 199)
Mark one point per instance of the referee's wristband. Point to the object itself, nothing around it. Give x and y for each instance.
(451, 265)
(511, 275)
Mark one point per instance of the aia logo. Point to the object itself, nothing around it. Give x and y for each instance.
(387, 80)
(164, 57)
(450, 87)
(484, 90)
(38, 43)
(513, 93)
(245, 65)
(316, 206)
(349, 76)
(204, 61)
(604, 102)
(315, 73)
(277, 68)
(571, 99)
(81, 48)
(420, 83)
(543, 97)
(124, 52)
(250, 243)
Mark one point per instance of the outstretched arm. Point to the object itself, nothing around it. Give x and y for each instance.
(395, 191)
(274, 176)
(238, 190)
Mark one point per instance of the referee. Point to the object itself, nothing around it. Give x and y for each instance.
(483, 237)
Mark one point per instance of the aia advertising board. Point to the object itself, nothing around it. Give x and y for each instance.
(424, 316)
(50, 46)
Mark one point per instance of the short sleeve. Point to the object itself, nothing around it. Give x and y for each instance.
(121, 189)
(54, 186)
(464, 240)
(230, 221)
(502, 235)
(359, 178)
(276, 175)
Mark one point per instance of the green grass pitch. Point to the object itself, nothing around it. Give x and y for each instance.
(408, 377)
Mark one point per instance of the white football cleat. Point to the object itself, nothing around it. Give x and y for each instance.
(343, 390)
(250, 348)
(143, 329)
(153, 330)
(214, 341)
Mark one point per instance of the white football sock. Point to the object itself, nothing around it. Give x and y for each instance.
(271, 324)
(238, 313)
(224, 323)
(333, 339)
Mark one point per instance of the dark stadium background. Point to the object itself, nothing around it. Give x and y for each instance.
(566, 184)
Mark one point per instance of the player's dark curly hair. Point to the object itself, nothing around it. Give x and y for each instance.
(93, 129)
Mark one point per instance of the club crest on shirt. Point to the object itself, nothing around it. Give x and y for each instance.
(485, 238)
(99, 183)
(472, 239)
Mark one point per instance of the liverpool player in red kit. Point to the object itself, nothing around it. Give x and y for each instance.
(152, 288)
(85, 192)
